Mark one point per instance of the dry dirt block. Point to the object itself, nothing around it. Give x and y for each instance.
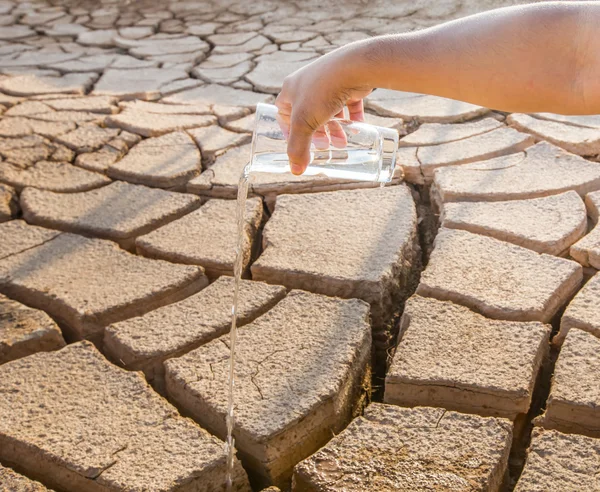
(223, 75)
(27, 108)
(424, 108)
(25, 331)
(124, 141)
(487, 145)
(9, 203)
(9, 101)
(546, 225)
(61, 177)
(87, 138)
(498, 279)
(158, 108)
(383, 121)
(145, 342)
(99, 37)
(221, 179)
(214, 62)
(34, 85)
(100, 160)
(416, 449)
(18, 126)
(440, 133)
(579, 140)
(119, 211)
(556, 461)
(584, 121)
(60, 118)
(574, 402)
(253, 45)
(406, 160)
(218, 95)
(13, 482)
(87, 284)
(583, 311)
(154, 125)
(168, 161)
(587, 250)
(17, 236)
(15, 32)
(155, 48)
(300, 370)
(243, 125)
(540, 171)
(450, 357)
(60, 153)
(206, 237)
(351, 244)
(27, 156)
(145, 83)
(26, 141)
(92, 104)
(214, 141)
(78, 423)
(268, 76)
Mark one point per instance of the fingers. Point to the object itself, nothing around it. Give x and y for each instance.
(284, 124)
(302, 127)
(301, 134)
(284, 114)
(356, 109)
(337, 134)
(321, 139)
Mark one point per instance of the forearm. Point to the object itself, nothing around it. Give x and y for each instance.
(530, 58)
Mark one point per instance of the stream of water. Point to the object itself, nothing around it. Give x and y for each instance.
(237, 273)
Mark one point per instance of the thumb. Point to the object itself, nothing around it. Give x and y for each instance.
(298, 148)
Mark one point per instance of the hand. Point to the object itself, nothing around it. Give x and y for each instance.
(313, 95)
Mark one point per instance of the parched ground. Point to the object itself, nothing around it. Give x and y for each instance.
(440, 333)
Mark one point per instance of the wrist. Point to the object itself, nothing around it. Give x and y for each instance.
(371, 61)
(351, 64)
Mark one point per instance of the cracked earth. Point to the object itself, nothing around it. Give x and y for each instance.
(450, 343)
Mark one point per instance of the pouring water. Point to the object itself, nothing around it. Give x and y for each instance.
(368, 153)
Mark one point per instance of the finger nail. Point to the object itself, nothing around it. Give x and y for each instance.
(296, 169)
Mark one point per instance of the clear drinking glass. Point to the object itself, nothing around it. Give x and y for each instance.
(349, 150)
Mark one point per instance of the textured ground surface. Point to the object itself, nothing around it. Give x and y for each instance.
(124, 127)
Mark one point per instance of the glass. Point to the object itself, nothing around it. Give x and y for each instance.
(348, 149)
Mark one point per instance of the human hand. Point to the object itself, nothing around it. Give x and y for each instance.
(312, 96)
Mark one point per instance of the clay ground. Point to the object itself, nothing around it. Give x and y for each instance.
(440, 333)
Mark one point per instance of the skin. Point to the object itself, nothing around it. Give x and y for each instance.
(542, 57)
